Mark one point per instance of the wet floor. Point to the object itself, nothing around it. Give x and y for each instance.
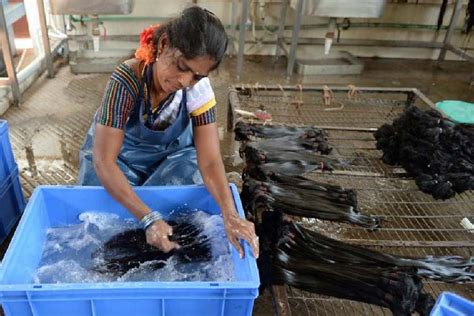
(47, 129)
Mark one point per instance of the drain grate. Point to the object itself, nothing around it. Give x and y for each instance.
(48, 128)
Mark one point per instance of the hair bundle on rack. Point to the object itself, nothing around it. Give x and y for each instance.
(273, 188)
(439, 153)
(306, 198)
(276, 158)
(304, 259)
(285, 151)
(244, 131)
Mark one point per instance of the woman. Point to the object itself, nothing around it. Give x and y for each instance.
(156, 125)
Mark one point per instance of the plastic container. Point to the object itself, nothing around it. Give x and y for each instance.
(450, 304)
(458, 111)
(7, 162)
(56, 206)
(12, 201)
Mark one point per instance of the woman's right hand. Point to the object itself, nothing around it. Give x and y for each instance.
(158, 234)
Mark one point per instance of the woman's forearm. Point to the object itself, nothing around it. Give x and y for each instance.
(213, 174)
(236, 228)
(116, 184)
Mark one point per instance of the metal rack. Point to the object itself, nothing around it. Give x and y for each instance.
(414, 224)
(383, 103)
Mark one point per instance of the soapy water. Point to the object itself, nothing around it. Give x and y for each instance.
(68, 253)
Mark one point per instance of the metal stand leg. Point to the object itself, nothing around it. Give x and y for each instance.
(8, 58)
(11, 38)
(66, 42)
(243, 20)
(451, 29)
(44, 33)
(233, 27)
(294, 38)
(281, 28)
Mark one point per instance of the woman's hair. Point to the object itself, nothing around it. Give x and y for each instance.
(196, 32)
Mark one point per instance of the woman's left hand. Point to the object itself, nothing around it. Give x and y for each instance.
(237, 228)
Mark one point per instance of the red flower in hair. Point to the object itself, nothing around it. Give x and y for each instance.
(146, 36)
(147, 51)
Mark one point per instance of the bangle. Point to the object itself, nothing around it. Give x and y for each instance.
(149, 219)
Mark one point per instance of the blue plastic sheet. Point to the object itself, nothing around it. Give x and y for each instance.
(458, 111)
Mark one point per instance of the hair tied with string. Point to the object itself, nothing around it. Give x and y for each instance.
(147, 50)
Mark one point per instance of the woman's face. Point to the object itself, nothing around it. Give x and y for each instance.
(172, 71)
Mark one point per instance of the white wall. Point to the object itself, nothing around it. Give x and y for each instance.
(426, 12)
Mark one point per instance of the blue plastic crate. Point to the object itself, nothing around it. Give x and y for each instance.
(56, 206)
(12, 203)
(450, 304)
(7, 162)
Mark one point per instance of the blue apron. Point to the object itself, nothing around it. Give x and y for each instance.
(149, 157)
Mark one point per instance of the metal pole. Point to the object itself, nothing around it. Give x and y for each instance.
(233, 27)
(451, 29)
(294, 38)
(243, 20)
(461, 53)
(44, 33)
(66, 41)
(281, 28)
(11, 38)
(8, 58)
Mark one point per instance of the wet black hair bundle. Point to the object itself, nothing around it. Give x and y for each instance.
(436, 151)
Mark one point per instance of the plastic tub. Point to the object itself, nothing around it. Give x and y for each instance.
(450, 304)
(7, 162)
(56, 206)
(12, 203)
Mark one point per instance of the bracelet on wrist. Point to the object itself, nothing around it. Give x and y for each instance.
(149, 219)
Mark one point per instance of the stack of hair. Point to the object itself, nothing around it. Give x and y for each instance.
(292, 255)
(436, 151)
(304, 259)
(283, 149)
(273, 166)
(289, 153)
(243, 132)
(298, 196)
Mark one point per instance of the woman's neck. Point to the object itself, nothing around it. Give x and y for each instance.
(156, 87)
